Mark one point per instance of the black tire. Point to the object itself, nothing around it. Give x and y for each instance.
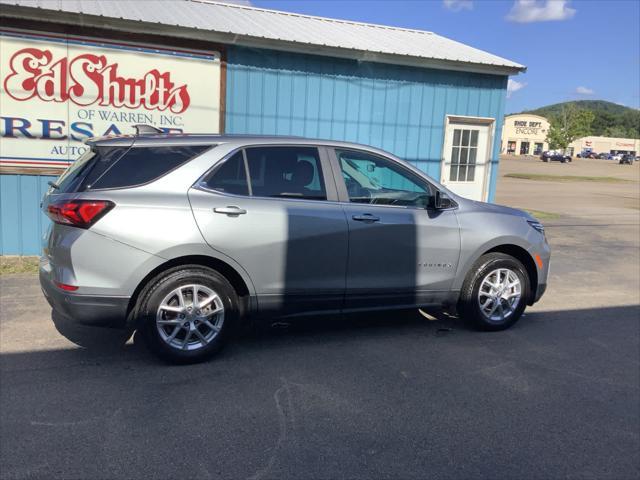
(162, 286)
(468, 304)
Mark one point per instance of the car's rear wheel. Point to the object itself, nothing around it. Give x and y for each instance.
(495, 292)
(186, 314)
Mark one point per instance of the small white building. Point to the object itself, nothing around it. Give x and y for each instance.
(604, 145)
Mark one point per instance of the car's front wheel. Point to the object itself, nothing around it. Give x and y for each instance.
(495, 292)
(186, 314)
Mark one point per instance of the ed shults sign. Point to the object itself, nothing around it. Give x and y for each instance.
(57, 92)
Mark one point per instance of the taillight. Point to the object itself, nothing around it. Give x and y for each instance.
(79, 213)
(64, 286)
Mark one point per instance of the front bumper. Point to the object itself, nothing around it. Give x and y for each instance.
(544, 255)
(94, 310)
(542, 287)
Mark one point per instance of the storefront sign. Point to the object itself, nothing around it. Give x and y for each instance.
(527, 128)
(55, 93)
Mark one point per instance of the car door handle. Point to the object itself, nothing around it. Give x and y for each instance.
(366, 217)
(231, 210)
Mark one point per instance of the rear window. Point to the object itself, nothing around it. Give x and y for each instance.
(143, 164)
(119, 167)
(72, 179)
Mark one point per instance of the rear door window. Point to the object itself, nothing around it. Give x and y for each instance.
(286, 172)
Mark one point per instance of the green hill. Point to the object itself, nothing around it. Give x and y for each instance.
(611, 119)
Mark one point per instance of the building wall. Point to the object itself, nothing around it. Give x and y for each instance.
(22, 223)
(524, 129)
(605, 145)
(399, 109)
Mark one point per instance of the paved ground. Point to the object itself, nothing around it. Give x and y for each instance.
(394, 396)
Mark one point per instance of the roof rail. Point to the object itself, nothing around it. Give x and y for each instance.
(142, 129)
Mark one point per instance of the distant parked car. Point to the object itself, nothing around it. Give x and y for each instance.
(617, 157)
(555, 156)
(589, 154)
(627, 158)
(604, 156)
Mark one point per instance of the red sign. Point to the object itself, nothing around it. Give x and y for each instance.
(90, 80)
(55, 93)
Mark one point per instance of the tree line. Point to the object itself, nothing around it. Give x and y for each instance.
(571, 120)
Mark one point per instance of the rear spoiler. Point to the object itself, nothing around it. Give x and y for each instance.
(143, 129)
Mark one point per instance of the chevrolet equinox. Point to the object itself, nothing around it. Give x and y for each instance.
(182, 236)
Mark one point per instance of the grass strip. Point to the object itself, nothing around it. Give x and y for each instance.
(540, 215)
(12, 265)
(565, 178)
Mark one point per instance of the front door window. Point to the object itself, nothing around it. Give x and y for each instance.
(524, 148)
(375, 180)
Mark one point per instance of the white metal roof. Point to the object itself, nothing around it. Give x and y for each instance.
(243, 25)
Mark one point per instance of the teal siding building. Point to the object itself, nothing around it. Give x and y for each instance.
(408, 98)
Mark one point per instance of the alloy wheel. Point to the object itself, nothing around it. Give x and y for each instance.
(499, 294)
(190, 317)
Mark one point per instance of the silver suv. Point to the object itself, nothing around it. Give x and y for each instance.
(183, 236)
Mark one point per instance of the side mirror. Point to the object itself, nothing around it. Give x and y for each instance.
(442, 201)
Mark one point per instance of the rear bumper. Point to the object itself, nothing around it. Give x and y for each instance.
(94, 310)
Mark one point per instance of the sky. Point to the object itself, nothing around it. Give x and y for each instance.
(573, 49)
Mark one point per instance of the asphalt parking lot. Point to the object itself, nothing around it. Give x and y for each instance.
(387, 396)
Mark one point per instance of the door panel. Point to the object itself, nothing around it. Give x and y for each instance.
(400, 252)
(409, 256)
(290, 249)
(293, 249)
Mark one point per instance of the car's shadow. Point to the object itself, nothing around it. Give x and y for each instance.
(260, 333)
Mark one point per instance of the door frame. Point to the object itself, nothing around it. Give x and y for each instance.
(476, 121)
